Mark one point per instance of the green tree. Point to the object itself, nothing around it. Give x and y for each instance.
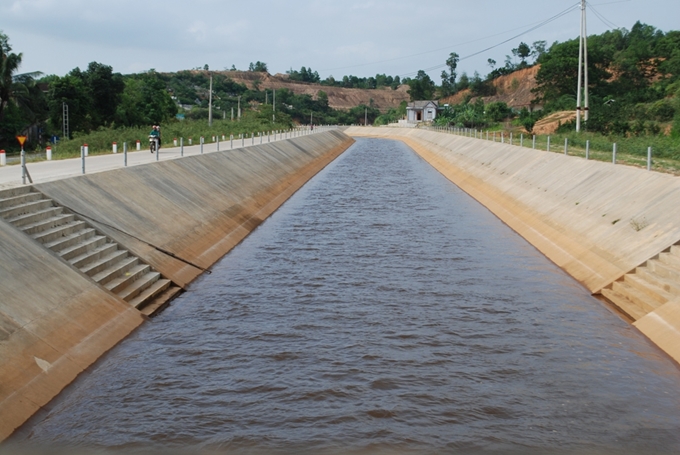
(258, 66)
(70, 90)
(497, 112)
(105, 88)
(422, 87)
(13, 87)
(523, 51)
(558, 75)
(449, 79)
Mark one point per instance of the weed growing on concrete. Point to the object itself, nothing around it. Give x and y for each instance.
(638, 224)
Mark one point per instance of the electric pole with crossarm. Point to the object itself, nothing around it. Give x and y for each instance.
(582, 71)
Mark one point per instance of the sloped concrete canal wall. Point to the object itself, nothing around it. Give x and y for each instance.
(179, 216)
(597, 221)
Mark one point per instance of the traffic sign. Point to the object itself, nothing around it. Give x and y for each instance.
(22, 140)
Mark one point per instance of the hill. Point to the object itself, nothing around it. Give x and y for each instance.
(513, 89)
(338, 97)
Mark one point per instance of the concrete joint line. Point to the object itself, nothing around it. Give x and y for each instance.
(162, 250)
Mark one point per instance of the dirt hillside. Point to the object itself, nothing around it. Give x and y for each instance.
(338, 98)
(513, 89)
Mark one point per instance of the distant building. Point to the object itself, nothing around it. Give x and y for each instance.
(421, 111)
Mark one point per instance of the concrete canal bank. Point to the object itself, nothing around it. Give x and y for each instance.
(177, 217)
(613, 228)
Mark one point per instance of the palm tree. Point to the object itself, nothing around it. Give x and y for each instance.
(14, 87)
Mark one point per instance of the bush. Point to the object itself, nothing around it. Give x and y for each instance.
(662, 111)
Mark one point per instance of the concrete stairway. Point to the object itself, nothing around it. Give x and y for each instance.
(648, 287)
(83, 247)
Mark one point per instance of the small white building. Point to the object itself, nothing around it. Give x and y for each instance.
(421, 111)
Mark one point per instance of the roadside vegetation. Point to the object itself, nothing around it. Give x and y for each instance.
(634, 99)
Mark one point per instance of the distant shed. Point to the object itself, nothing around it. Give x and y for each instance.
(421, 111)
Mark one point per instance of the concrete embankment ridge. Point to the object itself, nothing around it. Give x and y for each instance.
(613, 228)
(178, 216)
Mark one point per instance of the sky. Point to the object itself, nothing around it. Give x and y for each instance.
(340, 37)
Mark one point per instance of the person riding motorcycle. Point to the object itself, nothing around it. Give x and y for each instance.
(155, 134)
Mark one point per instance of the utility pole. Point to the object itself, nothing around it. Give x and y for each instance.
(274, 106)
(365, 116)
(239, 109)
(311, 118)
(582, 70)
(210, 104)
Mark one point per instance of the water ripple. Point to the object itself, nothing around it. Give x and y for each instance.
(380, 310)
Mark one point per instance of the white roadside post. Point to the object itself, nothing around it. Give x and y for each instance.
(48, 153)
(115, 147)
(125, 153)
(649, 158)
(139, 145)
(3, 158)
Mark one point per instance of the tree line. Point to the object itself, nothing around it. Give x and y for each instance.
(634, 82)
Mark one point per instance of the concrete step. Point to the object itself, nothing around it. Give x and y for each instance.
(637, 297)
(82, 247)
(65, 230)
(20, 199)
(138, 286)
(631, 309)
(12, 192)
(35, 217)
(152, 306)
(104, 262)
(670, 286)
(670, 260)
(81, 262)
(115, 270)
(148, 294)
(649, 289)
(25, 208)
(126, 279)
(71, 239)
(48, 224)
(664, 270)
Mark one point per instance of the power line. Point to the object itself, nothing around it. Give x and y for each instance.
(541, 24)
(604, 20)
(435, 50)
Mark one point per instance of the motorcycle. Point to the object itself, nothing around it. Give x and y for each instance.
(153, 143)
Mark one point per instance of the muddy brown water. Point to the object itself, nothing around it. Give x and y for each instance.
(380, 310)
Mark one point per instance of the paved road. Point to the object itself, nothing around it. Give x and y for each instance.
(45, 171)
